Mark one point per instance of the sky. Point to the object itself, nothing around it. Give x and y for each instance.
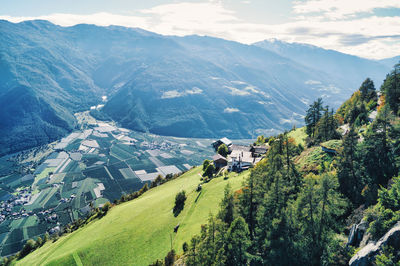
(366, 28)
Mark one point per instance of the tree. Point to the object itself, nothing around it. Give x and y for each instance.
(185, 247)
(106, 207)
(144, 189)
(180, 199)
(39, 242)
(193, 256)
(325, 129)
(261, 140)
(227, 207)
(156, 182)
(209, 171)
(350, 181)
(318, 207)
(238, 241)
(29, 246)
(206, 163)
(378, 157)
(367, 90)
(313, 115)
(391, 87)
(223, 150)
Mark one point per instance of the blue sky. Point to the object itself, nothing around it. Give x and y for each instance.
(367, 28)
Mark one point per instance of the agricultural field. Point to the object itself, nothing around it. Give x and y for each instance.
(42, 190)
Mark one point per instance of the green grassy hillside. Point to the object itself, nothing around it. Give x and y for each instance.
(138, 232)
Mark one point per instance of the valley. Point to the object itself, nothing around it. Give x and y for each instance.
(44, 188)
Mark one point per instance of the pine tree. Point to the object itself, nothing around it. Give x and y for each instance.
(237, 243)
(313, 115)
(391, 87)
(227, 209)
(349, 180)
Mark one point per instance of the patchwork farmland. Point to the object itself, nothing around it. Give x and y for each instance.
(45, 188)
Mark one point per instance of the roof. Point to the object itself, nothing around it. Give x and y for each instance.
(217, 157)
(235, 147)
(245, 156)
(226, 141)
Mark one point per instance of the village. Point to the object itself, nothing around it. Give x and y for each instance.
(238, 157)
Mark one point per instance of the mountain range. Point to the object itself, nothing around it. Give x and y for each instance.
(192, 86)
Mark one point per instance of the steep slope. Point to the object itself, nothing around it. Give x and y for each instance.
(41, 84)
(208, 87)
(348, 70)
(138, 232)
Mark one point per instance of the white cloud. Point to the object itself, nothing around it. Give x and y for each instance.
(332, 24)
(231, 110)
(337, 9)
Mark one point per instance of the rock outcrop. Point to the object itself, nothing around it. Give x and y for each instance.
(367, 254)
(356, 234)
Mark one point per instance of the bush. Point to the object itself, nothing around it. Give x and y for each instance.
(179, 202)
(28, 248)
(106, 207)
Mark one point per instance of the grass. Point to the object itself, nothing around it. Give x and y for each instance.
(43, 174)
(299, 135)
(311, 160)
(140, 231)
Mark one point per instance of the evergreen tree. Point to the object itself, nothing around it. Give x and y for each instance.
(391, 87)
(237, 243)
(318, 206)
(313, 115)
(378, 156)
(348, 174)
(227, 209)
(367, 90)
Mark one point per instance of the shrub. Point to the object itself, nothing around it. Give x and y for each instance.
(29, 246)
(179, 202)
(106, 207)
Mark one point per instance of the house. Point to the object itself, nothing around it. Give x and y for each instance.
(219, 161)
(241, 160)
(258, 150)
(219, 142)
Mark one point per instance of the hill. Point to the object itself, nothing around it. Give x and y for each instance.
(180, 86)
(138, 232)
